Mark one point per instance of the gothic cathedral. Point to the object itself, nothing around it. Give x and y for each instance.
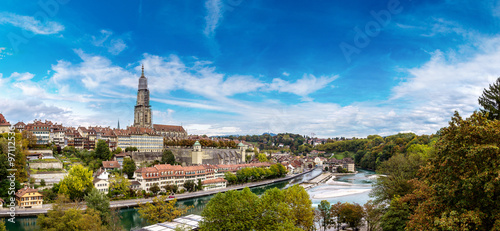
(142, 111)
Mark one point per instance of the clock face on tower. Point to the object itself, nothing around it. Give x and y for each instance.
(142, 109)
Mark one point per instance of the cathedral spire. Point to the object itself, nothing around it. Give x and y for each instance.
(142, 70)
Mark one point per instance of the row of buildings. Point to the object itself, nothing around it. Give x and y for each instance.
(211, 176)
(145, 139)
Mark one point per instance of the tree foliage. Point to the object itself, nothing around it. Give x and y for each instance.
(154, 189)
(2, 225)
(262, 157)
(372, 213)
(118, 185)
(351, 214)
(68, 216)
(490, 101)
(161, 210)
(167, 157)
(189, 185)
(131, 149)
(129, 167)
(102, 151)
(460, 188)
(99, 202)
(324, 214)
(288, 209)
(77, 183)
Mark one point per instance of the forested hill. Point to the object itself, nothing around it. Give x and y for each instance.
(368, 153)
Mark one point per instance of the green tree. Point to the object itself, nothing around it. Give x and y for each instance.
(167, 157)
(335, 214)
(324, 214)
(2, 226)
(459, 189)
(131, 149)
(490, 101)
(129, 167)
(288, 209)
(399, 169)
(300, 203)
(275, 212)
(99, 202)
(68, 216)
(77, 183)
(262, 157)
(161, 210)
(155, 189)
(117, 151)
(102, 151)
(351, 214)
(371, 214)
(172, 188)
(230, 177)
(42, 182)
(189, 185)
(243, 211)
(396, 216)
(199, 185)
(118, 185)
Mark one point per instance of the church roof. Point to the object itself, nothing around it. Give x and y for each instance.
(168, 128)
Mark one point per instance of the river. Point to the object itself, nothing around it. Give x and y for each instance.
(131, 219)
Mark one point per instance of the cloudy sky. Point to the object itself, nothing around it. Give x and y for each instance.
(329, 68)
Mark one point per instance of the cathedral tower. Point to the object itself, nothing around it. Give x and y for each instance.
(142, 111)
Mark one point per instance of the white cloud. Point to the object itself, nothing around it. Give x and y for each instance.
(30, 23)
(114, 45)
(213, 17)
(3, 52)
(286, 74)
(302, 87)
(93, 72)
(22, 76)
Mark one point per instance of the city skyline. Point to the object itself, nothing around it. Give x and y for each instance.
(248, 67)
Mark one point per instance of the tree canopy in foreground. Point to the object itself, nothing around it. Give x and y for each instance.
(288, 209)
(459, 189)
(161, 210)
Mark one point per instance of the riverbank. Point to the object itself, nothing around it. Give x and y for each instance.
(134, 202)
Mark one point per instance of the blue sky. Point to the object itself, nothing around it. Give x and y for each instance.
(329, 68)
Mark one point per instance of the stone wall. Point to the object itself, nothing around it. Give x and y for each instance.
(46, 165)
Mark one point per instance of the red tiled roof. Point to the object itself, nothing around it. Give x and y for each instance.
(19, 124)
(140, 130)
(3, 121)
(110, 164)
(23, 191)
